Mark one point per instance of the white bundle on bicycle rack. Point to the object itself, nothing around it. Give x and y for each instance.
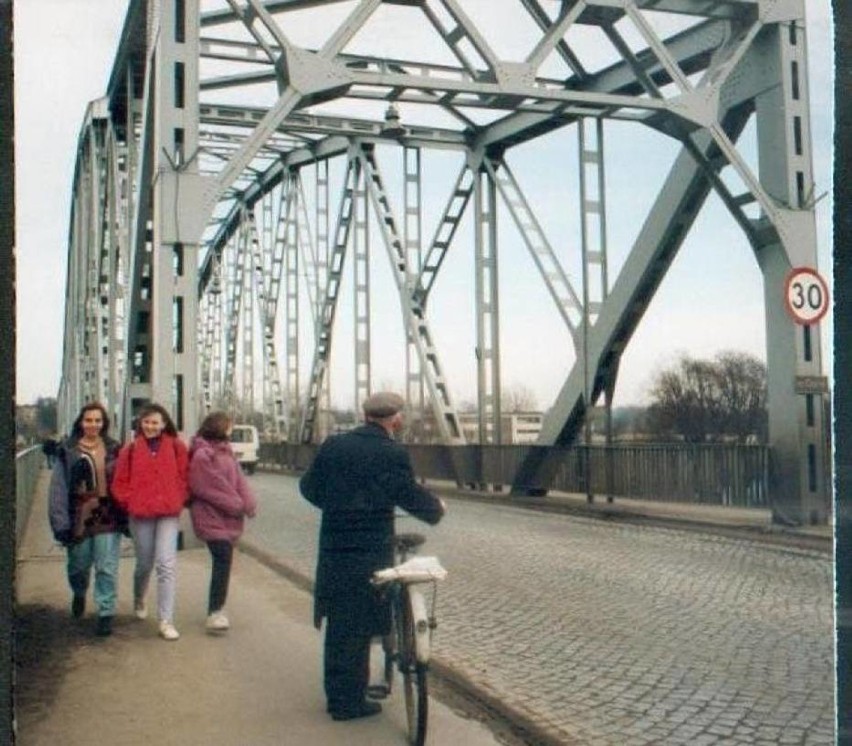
(416, 570)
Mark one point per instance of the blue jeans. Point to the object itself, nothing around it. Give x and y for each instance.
(155, 540)
(102, 551)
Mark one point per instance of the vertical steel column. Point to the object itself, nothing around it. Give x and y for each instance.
(291, 306)
(72, 389)
(216, 370)
(262, 266)
(593, 256)
(234, 287)
(593, 216)
(361, 288)
(268, 271)
(176, 198)
(205, 349)
(115, 273)
(487, 311)
(89, 306)
(247, 358)
(412, 233)
(323, 250)
(328, 310)
(99, 259)
(799, 482)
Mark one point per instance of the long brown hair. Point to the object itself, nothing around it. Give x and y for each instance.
(77, 427)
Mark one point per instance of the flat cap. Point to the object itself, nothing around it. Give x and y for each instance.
(383, 404)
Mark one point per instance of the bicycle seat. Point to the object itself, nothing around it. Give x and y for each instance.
(407, 542)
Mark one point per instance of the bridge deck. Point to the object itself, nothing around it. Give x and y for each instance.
(262, 683)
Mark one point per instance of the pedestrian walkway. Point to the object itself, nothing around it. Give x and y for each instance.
(259, 684)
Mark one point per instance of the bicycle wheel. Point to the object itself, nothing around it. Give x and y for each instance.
(414, 680)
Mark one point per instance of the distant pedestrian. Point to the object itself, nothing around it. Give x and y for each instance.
(356, 479)
(151, 483)
(48, 448)
(220, 500)
(83, 516)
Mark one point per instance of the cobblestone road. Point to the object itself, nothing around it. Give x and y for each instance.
(609, 633)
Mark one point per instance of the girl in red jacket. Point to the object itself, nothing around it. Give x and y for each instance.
(150, 483)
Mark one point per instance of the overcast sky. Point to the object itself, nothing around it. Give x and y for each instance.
(64, 51)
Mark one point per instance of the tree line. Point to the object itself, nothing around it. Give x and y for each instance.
(702, 401)
(694, 400)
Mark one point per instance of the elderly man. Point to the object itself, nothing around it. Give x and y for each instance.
(356, 479)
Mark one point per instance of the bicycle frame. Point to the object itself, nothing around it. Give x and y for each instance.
(424, 622)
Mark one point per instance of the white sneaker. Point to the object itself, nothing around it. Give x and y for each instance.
(140, 609)
(217, 622)
(168, 631)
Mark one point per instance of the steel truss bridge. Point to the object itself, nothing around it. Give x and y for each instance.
(251, 160)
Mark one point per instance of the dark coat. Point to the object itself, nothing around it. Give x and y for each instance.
(71, 481)
(357, 479)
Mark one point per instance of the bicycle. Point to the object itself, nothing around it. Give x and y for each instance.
(407, 647)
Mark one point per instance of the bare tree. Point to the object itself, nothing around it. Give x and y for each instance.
(742, 390)
(701, 400)
(518, 398)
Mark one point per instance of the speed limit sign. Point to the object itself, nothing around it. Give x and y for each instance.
(806, 295)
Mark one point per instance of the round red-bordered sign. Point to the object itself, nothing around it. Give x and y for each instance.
(806, 295)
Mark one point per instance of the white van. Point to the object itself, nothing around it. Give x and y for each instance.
(245, 443)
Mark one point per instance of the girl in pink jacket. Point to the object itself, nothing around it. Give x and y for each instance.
(220, 500)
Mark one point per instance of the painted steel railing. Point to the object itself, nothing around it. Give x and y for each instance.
(714, 474)
(28, 465)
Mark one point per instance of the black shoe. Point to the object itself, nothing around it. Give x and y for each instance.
(78, 606)
(363, 710)
(104, 626)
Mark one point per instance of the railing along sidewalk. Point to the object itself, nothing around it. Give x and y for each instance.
(710, 474)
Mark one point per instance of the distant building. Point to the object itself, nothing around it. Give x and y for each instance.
(516, 428)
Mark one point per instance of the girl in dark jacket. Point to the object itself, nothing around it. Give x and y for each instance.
(83, 515)
(221, 498)
(150, 483)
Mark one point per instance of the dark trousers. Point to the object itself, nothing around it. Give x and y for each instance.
(222, 552)
(346, 663)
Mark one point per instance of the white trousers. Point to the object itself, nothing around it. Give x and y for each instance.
(155, 540)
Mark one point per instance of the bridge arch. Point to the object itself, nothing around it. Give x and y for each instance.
(251, 160)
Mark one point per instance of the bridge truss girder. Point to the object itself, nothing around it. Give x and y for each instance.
(195, 152)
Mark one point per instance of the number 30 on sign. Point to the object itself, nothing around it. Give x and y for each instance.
(806, 295)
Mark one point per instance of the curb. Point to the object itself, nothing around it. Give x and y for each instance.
(512, 719)
(778, 537)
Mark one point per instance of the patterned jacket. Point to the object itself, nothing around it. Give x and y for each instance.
(73, 505)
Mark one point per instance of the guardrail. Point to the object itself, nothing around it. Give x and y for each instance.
(728, 474)
(28, 464)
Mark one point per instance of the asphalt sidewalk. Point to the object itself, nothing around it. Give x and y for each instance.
(259, 684)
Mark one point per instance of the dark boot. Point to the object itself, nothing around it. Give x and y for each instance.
(104, 626)
(78, 606)
(363, 709)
